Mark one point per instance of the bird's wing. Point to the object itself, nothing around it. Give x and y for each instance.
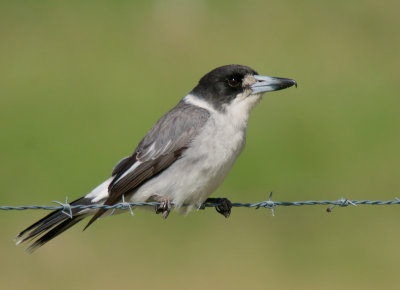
(161, 147)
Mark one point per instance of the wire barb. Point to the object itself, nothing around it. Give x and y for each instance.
(124, 206)
(343, 202)
(66, 207)
(267, 204)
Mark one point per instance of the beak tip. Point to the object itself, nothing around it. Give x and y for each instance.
(267, 84)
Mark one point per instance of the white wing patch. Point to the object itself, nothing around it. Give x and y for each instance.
(100, 192)
(149, 151)
(160, 151)
(133, 167)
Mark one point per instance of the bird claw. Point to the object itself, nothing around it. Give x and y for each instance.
(224, 205)
(164, 208)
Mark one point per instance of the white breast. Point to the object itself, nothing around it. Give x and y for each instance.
(207, 161)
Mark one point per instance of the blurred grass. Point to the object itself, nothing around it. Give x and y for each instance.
(82, 82)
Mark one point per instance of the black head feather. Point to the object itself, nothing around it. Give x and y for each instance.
(221, 85)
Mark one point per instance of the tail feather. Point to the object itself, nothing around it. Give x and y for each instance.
(51, 216)
(52, 225)
(54, 232)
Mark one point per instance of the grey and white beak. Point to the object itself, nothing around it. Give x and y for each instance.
(266, 84)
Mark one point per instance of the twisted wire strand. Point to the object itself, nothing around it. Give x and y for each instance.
(66, 208)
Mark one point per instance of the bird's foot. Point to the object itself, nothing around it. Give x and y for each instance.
(224, 205)
(164, 208)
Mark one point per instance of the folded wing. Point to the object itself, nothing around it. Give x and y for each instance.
(160, 148)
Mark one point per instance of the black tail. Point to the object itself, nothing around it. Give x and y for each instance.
(52, 225)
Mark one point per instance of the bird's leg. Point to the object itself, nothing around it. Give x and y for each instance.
(224, 206)
(164, 208)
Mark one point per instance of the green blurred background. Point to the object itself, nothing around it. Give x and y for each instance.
(81, 83)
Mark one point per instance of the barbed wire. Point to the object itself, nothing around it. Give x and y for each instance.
(66, 208)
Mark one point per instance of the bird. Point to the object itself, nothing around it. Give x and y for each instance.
(184, 157)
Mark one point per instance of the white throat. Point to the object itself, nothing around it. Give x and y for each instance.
(237, 111)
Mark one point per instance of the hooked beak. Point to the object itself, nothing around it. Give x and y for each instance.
(266, 84)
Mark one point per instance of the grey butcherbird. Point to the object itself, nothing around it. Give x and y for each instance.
(183, 158)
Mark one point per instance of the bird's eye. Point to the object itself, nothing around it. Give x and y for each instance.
(233, 82)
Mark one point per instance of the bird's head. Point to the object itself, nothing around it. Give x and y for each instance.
(233, 84)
